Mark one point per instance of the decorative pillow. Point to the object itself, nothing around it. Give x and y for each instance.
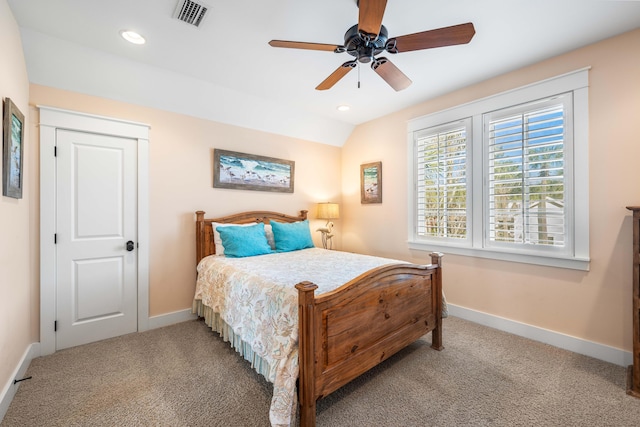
(216, 234)
(244, 241)
(269, 232)
(292, 236)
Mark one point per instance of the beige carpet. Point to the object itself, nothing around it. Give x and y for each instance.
(185, 375)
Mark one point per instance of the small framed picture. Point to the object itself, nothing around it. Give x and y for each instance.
(13, 142)
(371, 183)
(243, 171)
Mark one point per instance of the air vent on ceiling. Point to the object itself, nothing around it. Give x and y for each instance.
(190, 12)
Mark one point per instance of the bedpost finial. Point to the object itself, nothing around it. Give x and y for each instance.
(436, 258)
(306, 286)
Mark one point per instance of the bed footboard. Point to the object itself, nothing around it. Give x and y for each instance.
(346, 332)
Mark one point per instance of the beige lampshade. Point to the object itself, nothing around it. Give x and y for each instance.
(328, 210)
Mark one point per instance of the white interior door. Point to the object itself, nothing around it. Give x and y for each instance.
(96, 268)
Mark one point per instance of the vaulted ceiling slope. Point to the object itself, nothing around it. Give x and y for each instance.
(225, 70)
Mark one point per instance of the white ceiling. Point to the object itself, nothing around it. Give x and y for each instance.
(226, 71)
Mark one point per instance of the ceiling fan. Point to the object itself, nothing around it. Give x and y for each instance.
(369, 38)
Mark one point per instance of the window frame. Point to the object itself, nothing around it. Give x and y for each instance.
(576, 257)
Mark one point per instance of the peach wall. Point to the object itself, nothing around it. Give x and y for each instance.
(594, 305)
(181, 174)
(16, 279)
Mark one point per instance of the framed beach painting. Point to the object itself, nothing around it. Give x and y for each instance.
(371, 183)
(12, 142)
(243, 171)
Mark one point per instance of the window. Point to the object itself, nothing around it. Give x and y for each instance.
(526, 173)
(505, 177)
(442, 181)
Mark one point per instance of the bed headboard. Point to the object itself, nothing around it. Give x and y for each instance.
(204, 231)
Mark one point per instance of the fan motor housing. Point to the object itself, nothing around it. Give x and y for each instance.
(362, 48)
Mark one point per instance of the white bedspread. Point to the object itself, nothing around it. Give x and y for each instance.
(256, 297)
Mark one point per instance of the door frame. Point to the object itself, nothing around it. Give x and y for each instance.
(52, 119)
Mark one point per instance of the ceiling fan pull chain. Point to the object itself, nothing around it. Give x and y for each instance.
(359, 76)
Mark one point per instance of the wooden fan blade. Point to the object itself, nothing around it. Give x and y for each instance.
(304, 45)
(336, 75)
(446, 36)
(370, 16)
(391, 74)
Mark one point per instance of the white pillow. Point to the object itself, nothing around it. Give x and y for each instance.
(270, 239)
(217, 240)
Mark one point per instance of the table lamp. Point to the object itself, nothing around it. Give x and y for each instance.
(327, 211)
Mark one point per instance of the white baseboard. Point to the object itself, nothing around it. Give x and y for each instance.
(10, 389)
(171, 318)
(556, 339)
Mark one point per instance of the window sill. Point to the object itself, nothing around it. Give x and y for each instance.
(548, 261)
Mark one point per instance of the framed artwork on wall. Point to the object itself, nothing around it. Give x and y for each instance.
(243, 171)
(371, 183)
(12, 142)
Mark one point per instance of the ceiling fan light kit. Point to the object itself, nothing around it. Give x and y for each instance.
(369, 38)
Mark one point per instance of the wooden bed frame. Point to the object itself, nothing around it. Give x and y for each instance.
(348, 331)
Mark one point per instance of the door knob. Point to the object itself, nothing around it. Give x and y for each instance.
(129, 245)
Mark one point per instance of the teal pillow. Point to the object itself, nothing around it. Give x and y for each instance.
(241, 242)
(291, 236)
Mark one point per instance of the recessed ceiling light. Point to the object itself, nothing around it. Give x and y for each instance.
(343, 108)
(132, 37)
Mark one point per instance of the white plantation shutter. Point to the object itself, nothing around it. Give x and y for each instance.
(527, 194)
(505, 177)
(441, 181)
